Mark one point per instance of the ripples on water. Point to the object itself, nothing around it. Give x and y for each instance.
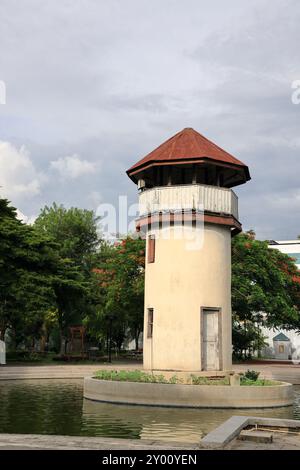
(57, 407)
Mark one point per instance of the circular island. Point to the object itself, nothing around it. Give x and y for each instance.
(140, 388)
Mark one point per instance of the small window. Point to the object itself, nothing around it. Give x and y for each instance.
(281, 349)
(150, 323)
(151, 249)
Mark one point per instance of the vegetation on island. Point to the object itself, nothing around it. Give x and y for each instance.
(249, 378)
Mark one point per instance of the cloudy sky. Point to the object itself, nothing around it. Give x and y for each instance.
(94, 85)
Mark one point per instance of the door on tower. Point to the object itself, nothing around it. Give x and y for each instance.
(211, 338)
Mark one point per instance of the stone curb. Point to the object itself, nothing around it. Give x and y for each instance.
(226, 432)
(188, 396)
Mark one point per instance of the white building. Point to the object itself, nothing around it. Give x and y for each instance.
(289, 247)
(283, 344)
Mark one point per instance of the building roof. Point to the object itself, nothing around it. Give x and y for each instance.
(188, 146)
(281, 337)
(284, 242)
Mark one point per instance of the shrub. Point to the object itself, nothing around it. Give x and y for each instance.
(24, 356)
(131, 376)
(259, 382)
(251, 378)
(251, 375)
(144, 377)
(196, 380)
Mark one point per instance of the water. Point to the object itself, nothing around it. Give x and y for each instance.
(57, 407)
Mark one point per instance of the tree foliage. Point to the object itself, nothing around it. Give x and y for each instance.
(76, 236)
(59, 272)
(265, 289)
(26, 268)
(75, 231)
(120, 277)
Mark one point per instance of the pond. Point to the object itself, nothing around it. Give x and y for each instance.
(57, 406)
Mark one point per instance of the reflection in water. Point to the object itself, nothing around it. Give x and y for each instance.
(177, 424)
(57, 407)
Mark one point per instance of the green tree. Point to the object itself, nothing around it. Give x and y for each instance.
(26, 265)
(246, 338)
(75, 230)
(6, 210)
(120, 277)
(265, 287)
(75, 233)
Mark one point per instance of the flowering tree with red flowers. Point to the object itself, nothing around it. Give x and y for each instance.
(120, 280)
(265, 290)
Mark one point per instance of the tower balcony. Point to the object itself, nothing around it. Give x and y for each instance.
(199, 197)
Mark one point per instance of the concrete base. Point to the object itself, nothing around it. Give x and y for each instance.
(224, 434)
(191, 396)
(50, 442)
(256, 436)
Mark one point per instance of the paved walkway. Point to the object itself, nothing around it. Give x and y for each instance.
(285, 433)
(65, 371)
(41, 442)
(47, 442)
(281, 441)
(285, 372)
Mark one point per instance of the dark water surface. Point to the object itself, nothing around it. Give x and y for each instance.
(56, 406)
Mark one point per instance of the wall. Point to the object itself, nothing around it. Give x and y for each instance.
(294, 337)
(197, 396)
(178, 284)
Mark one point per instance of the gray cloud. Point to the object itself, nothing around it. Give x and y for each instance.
(109, 81)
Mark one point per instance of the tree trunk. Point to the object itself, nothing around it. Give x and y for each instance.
(119, 345)
(2, 332)
(13, 339)
(137, 335)
(42, 343)
(62, 343)
(3, 324)
(107, 342)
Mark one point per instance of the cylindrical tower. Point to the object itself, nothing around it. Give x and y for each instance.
(188, 214)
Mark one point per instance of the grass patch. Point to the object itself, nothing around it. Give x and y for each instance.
(144, 377)
(251, 377)
(132, 376)
(259, 382)
(196, 380)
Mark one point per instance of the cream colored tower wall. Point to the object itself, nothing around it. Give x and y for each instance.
(177, 285)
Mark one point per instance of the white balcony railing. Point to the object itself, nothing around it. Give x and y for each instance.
(194, 196)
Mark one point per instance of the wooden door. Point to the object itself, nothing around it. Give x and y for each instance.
(210, 339)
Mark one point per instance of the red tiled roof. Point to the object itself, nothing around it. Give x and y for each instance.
(187, 144)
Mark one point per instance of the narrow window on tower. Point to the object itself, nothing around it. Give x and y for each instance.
(150, 323)
(151, 249)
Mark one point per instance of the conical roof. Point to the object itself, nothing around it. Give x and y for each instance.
(189, 146)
